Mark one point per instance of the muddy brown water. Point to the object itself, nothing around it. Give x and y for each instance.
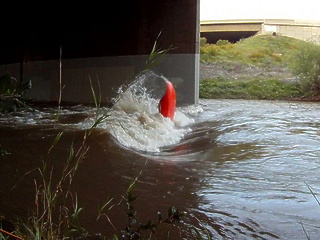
(242, 172)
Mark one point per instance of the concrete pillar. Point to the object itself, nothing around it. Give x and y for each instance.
(109, 44)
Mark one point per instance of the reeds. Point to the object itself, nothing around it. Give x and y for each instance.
(57, 208)
(313, 193)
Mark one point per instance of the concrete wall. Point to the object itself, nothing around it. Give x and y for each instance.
(110, 43)
(300, 29)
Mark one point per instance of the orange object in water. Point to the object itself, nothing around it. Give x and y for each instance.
(167, 105)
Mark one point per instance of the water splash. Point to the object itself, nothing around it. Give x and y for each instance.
(135, 121)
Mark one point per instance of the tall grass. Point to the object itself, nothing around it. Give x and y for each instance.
(57, 209)
(313, 193)
(305, 63)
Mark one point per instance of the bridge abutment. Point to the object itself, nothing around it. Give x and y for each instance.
(109, 44)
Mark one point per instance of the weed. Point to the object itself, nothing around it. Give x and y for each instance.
(135, 230)
(305, 63)
(57, 210)
(12, 94)
(318, 202)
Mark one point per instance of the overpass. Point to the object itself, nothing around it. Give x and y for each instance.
(234, 30)
(107, 41)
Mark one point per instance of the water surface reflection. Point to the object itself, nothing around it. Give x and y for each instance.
(240, 172)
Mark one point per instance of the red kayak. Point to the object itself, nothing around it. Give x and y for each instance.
(167, 105)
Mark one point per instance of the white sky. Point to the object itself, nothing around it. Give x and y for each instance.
(259, 9)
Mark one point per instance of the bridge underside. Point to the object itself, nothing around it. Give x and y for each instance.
(232, 30)
(231, 36)
(109, 41)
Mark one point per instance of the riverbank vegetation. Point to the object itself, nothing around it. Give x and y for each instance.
(260, 67)
(57, 209)
(12, 94)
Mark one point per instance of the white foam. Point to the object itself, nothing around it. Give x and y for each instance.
(135, 122)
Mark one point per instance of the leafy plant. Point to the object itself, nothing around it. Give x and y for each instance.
(222, 42)
(12, 94)
(136, 230)
(203, 41)
(305, 63)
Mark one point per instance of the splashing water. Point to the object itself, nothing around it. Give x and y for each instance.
(135, 121)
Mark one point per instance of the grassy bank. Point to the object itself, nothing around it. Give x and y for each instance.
(250, 89)
(260, 67)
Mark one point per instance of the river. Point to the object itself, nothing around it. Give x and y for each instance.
(239, 169)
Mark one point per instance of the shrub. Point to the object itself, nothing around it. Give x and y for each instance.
(211, 49)
(203, 41)
(305, 63)
(12, 94)
(222, 42)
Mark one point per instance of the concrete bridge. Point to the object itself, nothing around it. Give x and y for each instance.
(234, 30)
(109, 42)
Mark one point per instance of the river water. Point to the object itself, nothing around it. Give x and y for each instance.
(239, 169)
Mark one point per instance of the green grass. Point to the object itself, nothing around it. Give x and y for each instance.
(272, 89)
(268, 53)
